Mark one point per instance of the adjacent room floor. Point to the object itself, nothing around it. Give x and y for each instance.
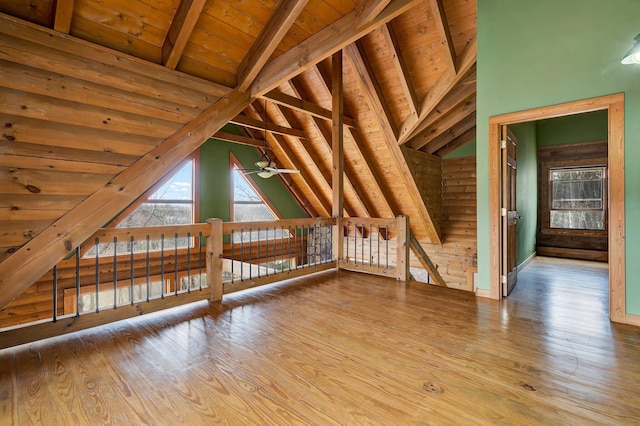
(345, 348)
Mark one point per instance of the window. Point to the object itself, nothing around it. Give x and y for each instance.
(577, 198)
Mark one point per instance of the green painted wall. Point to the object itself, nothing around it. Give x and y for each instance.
(466, 150)
(588, 127)
(215, 180)
(538, 53)
(527, 188)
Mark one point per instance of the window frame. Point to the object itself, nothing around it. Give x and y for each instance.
(234, 163)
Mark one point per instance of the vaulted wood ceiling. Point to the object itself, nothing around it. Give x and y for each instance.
(98, 99)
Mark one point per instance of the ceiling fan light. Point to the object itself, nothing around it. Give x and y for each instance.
(262, 164)
(265, 174)
(633, 55)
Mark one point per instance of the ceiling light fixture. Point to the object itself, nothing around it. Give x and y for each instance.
(633, 55)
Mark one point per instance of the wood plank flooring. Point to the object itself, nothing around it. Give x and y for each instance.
(345, 348)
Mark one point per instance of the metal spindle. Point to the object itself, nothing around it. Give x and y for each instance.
(386, 233)
(241, 254)
(232, 258)
(362, 248)
(162, 266)
(281, 248)
(295, 244)
(266, 249)
(189, 262)
(78, 281)
(331, 245)
(115, 272)
(175, 264)
(250, 254)
(147, 269)
(97, 243)
(258, 252)
(275, 250)
(131, 271)
(200, 259)
(289, 248)
(378, 245)
(347, 250)
(55, 293)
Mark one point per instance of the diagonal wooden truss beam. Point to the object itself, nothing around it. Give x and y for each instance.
(440, 17)
(322, 45)
(460, 128)
(367, 10)
(62, 15)
(270, 36)
(253, 123)
(242, 140)
(184, 21)
(42, 252)
(458, 113)
(304, 106)
(443, 86)
(467, 136)
(426, 262)
(425, 215)
(401, 67)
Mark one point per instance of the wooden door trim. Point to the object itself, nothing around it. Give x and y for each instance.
(614, 104)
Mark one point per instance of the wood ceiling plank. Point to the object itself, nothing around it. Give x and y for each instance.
(439, 91)
(38, 163)
(17, 214)
(111, 61)
(367, 10)
(457, 142)
(252, 123)
(320, 46)
(24, 181)
(39, 201)
(442, 24)
(271, 35)
(66, 154)
(444, 123)
(304, 106)
(180, 30)
(425, 216)
(458, 129)
(18, 232)
(63, 12)
(39, 255)
(401, 67)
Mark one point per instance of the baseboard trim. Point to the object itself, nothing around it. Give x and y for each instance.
(632, 320)
(526, 261)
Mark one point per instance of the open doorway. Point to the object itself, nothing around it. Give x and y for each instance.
(614, 105)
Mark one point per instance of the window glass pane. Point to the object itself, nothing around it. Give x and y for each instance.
(242, 191)
(252, 212)
(154, 214)
(578, 219)
(179, 187)
(577, 189)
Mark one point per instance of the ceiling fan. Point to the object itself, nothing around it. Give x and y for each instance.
(266, 167)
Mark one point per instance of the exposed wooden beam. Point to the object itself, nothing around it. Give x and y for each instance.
(443, 86)
(304, 106)
(364, 70)
(401, 67)
(39, 255)
(456, 143)
(184, 21)
(442, 24)
(458, 95)
(62, 15)
(367, 10)
(456, 114)
(426, 262)
(270, 36)
(337, 136)
(242, 140)
(252, 123)
(425, 216)
(447, 137)
(322, 45)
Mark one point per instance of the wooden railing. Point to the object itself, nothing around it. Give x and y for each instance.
(120, 273)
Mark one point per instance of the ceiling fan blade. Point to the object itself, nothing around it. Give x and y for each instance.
(251, 172)
(276, 171)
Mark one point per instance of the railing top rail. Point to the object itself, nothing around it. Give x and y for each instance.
(154, 232)
(245, 226)
(373, 221)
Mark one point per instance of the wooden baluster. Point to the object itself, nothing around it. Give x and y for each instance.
(214, 259)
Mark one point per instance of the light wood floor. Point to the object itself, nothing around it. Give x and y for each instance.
(345, 348)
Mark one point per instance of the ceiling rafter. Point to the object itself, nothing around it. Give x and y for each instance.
(242, 140)
(184, 21)
(367, 10)
(444, 123)
(425, 215)
(322, 45)
(442, 87)
(452, 133)
(401, 67)
(270, 127)
(444, 32)
(455, 97)
(325, 135)
(369, 161)
(62, 15)
(291, 160)
(304, 106)
(456, 143)
(270, 36)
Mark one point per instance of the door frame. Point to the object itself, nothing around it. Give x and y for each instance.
(614, 104)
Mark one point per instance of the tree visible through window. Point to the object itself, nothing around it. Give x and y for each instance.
(578, 198)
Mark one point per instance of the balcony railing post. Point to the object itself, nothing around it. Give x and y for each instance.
(337, 241)
(214, 259)
(402, 248)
